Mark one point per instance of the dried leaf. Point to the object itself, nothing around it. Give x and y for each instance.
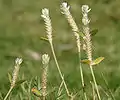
(86, 61)
(36, 92)
(97, 61)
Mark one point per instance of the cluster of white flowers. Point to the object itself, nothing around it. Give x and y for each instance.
(86, 30)
(18, 61)
(85, 11)
(46, 18)
(65, 10)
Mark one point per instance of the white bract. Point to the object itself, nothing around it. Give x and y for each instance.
(45, 59)
(18, 61)
(85, 9)
(45, 13)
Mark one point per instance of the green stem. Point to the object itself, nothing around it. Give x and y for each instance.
(94, 80)
(82, 78)
(58, 67)
(8, 93)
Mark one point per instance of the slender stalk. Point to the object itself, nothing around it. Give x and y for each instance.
(82, 78)
(94, 80)
(66, 12)
(8, 93)
(55, 58)
(93, 90)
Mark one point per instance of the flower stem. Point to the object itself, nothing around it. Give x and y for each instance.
(8, 93)
(94, 80)
(55, 58)
(82, 78)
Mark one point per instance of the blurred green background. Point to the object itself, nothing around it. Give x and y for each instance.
(21, 27)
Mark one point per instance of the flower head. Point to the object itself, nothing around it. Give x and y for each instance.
(45, 13)
(18, 61)
(85, 9)
(64, 6)
(47, 20)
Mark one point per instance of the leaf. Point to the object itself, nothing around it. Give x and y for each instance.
(93, 32)
(97, 61)
(19, 82)
(36, 92)
(86, 61)
(94, 62)
(10, 77)
(43, 38)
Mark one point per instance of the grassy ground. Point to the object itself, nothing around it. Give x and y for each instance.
(21, 28)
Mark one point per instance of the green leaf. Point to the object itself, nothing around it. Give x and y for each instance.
(36, 92)
(86, 61)
(97, 61)
(10, 77)
(19, 82)
(93, 32)
(43, 38)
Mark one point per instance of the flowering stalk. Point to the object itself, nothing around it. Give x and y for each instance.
(65, 10)
(46, 18)
(45, 61)
(87, 38)
(18, 61)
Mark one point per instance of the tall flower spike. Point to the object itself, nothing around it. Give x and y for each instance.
(18, 61)
(45, 61)
(65, 10)
(86, 21)
(46, 18)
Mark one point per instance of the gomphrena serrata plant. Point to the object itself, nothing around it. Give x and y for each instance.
(65, 10)
(45, 62)
(18, 61)
(47, 20)
(87, 38)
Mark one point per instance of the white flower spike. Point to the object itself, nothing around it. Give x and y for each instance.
(64, 6)
(85, 9)
(18, 61)
(45, 13)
